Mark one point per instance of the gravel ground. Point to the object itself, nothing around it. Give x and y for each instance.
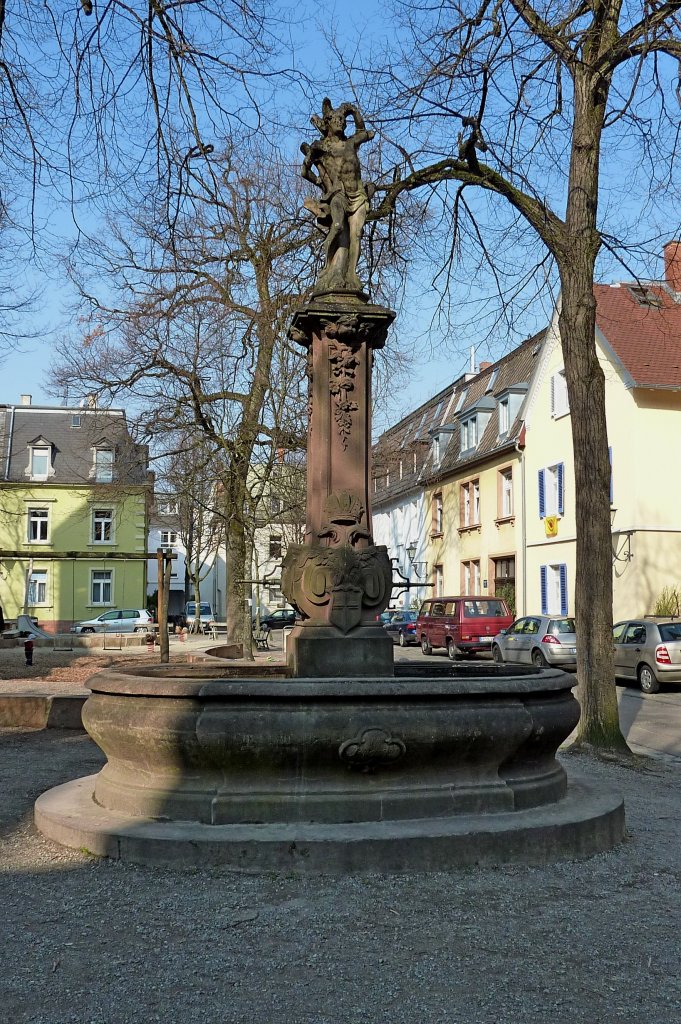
(96, 942)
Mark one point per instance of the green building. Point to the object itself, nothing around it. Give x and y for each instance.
(74, 506)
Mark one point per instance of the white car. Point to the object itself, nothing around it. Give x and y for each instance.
(127, 620)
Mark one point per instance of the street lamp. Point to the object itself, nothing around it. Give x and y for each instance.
(417, 566)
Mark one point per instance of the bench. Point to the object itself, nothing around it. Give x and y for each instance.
(260, 638)
(215, 629)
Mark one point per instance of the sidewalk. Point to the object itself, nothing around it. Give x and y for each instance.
(96, 942)
(54, 696)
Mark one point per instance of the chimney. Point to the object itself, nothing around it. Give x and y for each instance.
(25, 399)
(484, 366)
(672, 265)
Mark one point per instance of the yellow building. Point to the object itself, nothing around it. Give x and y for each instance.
(73, 513)
(464, 452)
(638, 341)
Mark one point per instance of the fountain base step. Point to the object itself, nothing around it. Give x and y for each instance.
(585, 822)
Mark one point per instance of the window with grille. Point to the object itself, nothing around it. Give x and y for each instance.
(38, 522)
(37, 587)
(102, 586)
(102, 526)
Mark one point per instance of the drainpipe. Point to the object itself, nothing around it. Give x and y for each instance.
(9, 441)
(523, 524)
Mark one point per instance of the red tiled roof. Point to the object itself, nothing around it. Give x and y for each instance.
(646, 338)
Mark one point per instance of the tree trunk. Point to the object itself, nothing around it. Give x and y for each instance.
(599, 724)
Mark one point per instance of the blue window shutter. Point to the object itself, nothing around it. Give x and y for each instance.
(563, 590)
(561, 487)
(610, 461)
(542, 498)
(544, 597)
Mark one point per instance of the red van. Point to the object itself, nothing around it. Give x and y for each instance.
(463, 625)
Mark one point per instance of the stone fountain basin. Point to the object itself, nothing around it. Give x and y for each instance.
(185, 743)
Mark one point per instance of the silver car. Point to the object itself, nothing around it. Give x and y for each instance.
(116, 620)
(539, 640)
(648, 651)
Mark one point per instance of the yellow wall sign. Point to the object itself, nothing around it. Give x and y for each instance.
(551, 525)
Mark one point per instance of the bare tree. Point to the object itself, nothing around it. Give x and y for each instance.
(196, 339)
(513, 110)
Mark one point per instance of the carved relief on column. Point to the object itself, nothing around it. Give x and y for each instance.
(342, 577)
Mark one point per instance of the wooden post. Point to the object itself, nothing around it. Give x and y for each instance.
(163, 595)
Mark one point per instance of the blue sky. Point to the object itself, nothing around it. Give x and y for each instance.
(26, 370)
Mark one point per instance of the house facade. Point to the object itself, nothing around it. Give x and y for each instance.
(638, 342)
(73, 513)
(457, 516)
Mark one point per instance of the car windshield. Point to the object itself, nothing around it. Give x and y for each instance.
(476, 609)
(670, 631)
(562, 626)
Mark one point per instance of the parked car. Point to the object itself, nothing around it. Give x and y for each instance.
(539, 640)
(463, 625)
(402, 628)
(386, 616)
(206, 614)
(648, 651)
(279, 619)
(126, 620)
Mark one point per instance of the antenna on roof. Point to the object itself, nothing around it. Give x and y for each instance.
(472, 369)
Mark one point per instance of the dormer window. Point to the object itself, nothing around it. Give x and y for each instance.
(436, 450)
(104, 460)
(461, 399)
(40, 462)
(492, 380)
(504, 418)
(469, 434)
(646, 296)
(509, 404)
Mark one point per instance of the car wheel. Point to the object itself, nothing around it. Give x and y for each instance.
(497, 655)
(425, 645)
(87, 629)
(452, 650)
(538, 659)
(647, 680)
(140, 629)
(403, 640)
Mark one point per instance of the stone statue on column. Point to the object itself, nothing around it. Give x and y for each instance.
(332, 164)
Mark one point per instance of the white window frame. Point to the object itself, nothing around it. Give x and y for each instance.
(469, 434)
(168, 538)
(103, 470)
(470, 494)
(37, 583)
(38, 517)
(560, 405)
(438, 572)
(436, 450)
(45, 451)
(99, 518)
(100, 578)
(506, 493)
(438, 513)
(551, 493)
(504, 415)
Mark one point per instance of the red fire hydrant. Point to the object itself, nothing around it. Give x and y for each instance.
(28, 651)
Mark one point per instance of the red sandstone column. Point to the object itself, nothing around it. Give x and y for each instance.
(339, 580)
